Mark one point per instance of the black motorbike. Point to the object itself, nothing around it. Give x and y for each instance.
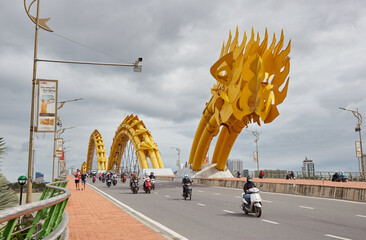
(135, 186)
(187, 191)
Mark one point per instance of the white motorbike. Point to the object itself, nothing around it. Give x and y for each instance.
(255, 204)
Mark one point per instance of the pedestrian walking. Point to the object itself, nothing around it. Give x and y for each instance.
(77, 179)
(83, 180)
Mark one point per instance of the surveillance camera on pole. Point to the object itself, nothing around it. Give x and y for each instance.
(137, 67)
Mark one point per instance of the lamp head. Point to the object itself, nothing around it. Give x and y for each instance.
(22, 180)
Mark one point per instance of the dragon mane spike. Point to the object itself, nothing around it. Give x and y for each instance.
(279, 45)
(228, 43)
(235, 40)
(222, 49)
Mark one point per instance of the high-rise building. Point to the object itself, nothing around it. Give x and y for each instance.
(308, 167)
(235, 165)
(39, 177)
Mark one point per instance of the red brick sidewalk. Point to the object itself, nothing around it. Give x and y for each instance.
(349, 184)
(94, 217)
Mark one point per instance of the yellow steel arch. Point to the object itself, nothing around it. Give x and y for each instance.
(134, 130)
(251, 81)
(131, 129)
(83, 167)
(96, 144)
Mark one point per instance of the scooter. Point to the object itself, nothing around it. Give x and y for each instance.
(187, 191)
(109, 182)
(135, 186)
(147, 185)
(93, 179)
(153, 184)
(255, 204)
(123, 179)
(114, 180)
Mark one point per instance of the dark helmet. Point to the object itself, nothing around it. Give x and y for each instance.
(249, 177)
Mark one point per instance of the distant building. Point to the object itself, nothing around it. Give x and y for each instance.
(39, 177)
(235, 165)
(308, 167)
(71, 170)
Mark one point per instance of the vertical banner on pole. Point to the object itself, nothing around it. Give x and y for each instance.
(47, 105)
(358, 148)
(255, 157)
(59, 147)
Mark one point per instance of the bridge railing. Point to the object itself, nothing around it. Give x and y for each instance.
(44, 219)
(321, 175)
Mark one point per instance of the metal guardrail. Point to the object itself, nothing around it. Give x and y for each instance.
(45, 219)
(320, 175)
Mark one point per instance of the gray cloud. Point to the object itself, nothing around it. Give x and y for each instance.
(179, 41)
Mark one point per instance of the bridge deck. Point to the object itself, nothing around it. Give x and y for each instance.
(94, 217)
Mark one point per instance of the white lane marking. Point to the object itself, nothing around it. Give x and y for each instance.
(237, 197)
(306, 207)
(133, 212)
(266, 201)
(227, 211)
(156, 193)
(167, 196)
(336, 237)
(177, 187)
(264, 220)
(168, 185)
(217, 193)
(201, 204)
(200, 191)
(361, 216)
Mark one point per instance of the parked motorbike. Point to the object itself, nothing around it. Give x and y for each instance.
(153, 184)
(147, 185)
(255, 204)
(109, 182)
(187, 191)
(135, 186)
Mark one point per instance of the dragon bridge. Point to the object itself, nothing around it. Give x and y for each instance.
(251, 81)
(131, 148)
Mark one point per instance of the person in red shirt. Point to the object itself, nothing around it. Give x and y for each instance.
(77, 179)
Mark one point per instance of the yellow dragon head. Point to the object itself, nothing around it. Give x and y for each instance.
(252, 79)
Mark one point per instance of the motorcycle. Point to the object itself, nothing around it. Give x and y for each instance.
(100, 177)
(93, 179)
(255, 205)
(114, 180)
(153, 184)
(135, 186)
(187, 191)
(147, 185)
(123, 179)
(109, 182)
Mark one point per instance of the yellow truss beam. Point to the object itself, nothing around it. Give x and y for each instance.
(131, 129)
(249, 76)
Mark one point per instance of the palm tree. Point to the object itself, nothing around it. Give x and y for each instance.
(7, 196)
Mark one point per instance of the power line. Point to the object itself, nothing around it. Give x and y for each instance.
(86, 46)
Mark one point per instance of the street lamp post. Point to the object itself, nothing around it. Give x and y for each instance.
(178, 151)
(21, 180)
(54, 136)
(358, 129)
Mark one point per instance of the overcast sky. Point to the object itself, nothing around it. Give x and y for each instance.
(179, 42)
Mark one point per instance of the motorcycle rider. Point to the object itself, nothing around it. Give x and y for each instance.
(134, 177)
(186, 180)
(152, 175)
(147, 178)
(249, 184)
